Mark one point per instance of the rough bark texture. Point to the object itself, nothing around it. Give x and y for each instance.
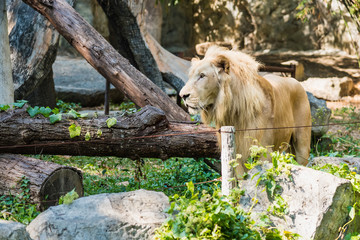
(126, 38)
(130, 137)
(48, 181)
(103, 57)
(33, 45)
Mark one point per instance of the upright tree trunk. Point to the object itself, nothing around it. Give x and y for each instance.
(6, 80)
(126, 37)
(105, 59)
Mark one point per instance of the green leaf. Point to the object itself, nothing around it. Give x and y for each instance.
(111, 122)
(83, 115)
(55, 118)
(19, 103)
(87, 136)
(45, 111)
(33, 111)
(69, 197)
(56, 111)
(74, 113)
(99, 132)
(190, 186)
(74, 130)
(4, 107)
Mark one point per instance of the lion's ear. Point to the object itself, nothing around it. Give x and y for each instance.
(223, 63)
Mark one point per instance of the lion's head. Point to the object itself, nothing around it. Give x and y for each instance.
(219, 84)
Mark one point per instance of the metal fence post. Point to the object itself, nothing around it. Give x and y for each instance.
(227, 154)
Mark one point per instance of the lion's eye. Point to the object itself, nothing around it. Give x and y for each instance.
(201, 75)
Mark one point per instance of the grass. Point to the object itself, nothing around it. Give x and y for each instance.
(342, 140)
(112, 174)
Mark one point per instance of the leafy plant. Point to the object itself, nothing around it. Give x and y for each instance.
(214, 216)
(111, 122)
(74, 114)
(18, 207)
(4, 107)
(69, 197)
(74, 130)
(55, 118)
(19, 103)
(66, 107)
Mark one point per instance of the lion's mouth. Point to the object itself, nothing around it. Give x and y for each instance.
(193, 109)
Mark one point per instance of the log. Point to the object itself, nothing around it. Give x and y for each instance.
(47, 181)
(105, 59)
(145, 134)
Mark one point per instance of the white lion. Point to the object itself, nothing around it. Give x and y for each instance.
(226, 88)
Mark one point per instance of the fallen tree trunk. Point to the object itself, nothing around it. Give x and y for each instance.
(47, 181)
(105, 59)
(146, 133)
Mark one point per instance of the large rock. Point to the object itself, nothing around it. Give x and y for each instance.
(76, 81)
(317, 201)
(320, 115)
(329, 88)
(352, 162)
(10, 230)
(130, 215)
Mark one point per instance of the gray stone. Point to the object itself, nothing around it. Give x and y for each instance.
(129, 215)
(320, 115)
(317, 201)
(10, 230)
(352, 162)
(332, 89)
(77, 81)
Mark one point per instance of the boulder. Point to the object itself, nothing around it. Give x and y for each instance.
(317, 202)
(332, 89)
(352, 162)
(77, 81)
(320, 115)
(10, 230)
(129, 215)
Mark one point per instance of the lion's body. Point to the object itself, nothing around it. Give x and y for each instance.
(227, 89)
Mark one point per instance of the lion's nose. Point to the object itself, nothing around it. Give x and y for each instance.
(185, 96)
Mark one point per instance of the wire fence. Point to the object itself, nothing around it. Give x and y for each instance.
(170, 135)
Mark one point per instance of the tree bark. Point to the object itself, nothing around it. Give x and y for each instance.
(145, 134)
(47, 181)
(33, 45)
(126, 38)
(6, 81)
(105, 59)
